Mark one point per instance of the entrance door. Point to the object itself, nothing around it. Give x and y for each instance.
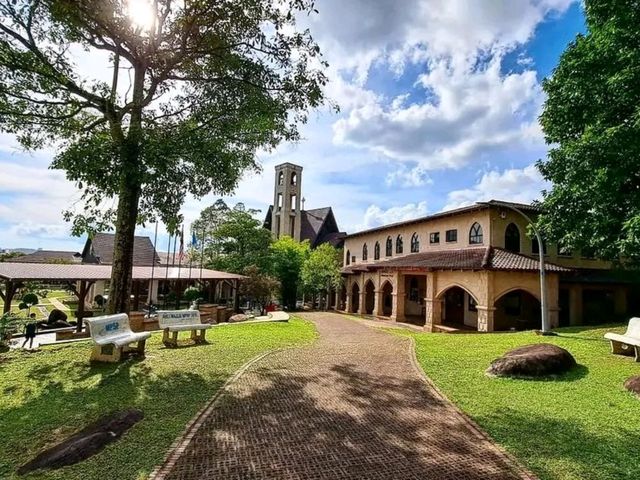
(454, 306)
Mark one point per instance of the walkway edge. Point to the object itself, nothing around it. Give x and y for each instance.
(184, 439)
(509, 459)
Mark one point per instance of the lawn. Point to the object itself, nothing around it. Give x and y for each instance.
(583, 425)
(47, 395)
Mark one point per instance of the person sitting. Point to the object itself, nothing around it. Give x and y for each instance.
(30, 331)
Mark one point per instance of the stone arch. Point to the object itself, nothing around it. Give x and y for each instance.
(281, 178)
(533, 293)
(443, 290)
(386, 291)
(517, 309)
(369, 297)
(355, 297)
(458, 306)
(294, 178)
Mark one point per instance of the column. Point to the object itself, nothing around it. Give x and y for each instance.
(361, 305)
(398, 299)
(433, 310)
(347, 307)
(485, 318)
(378, 303)
(152, 297)
(575, 305)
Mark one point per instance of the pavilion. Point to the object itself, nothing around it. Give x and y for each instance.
(84, 276)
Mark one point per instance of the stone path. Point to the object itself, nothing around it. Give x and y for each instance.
(351, 406)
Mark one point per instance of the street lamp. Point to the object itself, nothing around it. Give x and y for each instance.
(543, 284)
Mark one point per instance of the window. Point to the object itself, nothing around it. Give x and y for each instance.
(281, 178)
(376, 251)
(415, 243)
(365, 252)
(389, 249)
(588, 252)
(279, 201)
(475, 234)
(399, 246)
(535, 248)
(451, 235)
(348, 259)
(512, 238)
(294, 202)
(294, 178)
(434, 237)
(471, 306)
(564, 251)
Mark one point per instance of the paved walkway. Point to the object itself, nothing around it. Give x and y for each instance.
(351, 406)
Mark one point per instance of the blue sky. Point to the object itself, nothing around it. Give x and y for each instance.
(439, 103)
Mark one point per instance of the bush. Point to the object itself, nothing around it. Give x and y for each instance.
(192, 294)
(30, 299)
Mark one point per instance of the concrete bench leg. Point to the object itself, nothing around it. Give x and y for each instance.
(198, 336)
(637, 352)
(106, 353)
(169, 341)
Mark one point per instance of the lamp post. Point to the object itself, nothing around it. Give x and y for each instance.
(543, 283)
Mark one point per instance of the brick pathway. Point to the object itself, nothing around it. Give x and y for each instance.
(351, 406)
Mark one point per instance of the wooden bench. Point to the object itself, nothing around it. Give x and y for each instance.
(112, 336)
(629, 343)
(175, 321)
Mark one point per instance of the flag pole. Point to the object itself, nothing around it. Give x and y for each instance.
(153, 265)
(166, 275)
(180, 253)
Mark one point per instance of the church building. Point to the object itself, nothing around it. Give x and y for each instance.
(288, 217)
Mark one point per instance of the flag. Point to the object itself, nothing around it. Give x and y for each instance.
(181, 253)
(194, 240)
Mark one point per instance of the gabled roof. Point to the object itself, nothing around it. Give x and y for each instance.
(448, 213)
(99, 249)
(49, 256)
(317, 225)
(473, 258)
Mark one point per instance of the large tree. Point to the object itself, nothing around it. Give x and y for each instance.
(286, 259)
(320, 271)
(196, 87)
(591, 119)
(233, 238)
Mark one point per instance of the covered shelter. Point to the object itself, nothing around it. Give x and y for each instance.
(82, 277)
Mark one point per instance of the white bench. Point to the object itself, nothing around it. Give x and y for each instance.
(629, 343)
(112, 336)
(175, 321)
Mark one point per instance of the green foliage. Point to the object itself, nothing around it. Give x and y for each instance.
(591, 119)
(286, 259)
(30, 299)
(41, 389)
(321, 269)
(192, 294)
(187, 106)
(9, 324)
(576, 426)
(259, 287)
(9, 256)
(233, 238)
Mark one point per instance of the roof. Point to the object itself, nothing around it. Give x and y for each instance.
(99, 249)
(474, 258)
(456, 211)
(49, 256)
(56, 271)
(317, 225)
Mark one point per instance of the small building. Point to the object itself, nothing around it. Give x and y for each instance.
(287, 216)
(476, 268)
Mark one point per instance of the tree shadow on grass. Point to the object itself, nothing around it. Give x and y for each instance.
(339, 422)
(552, 446)
(59, 409)
(576, 373)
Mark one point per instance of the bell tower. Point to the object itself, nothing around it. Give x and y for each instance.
(286, 215)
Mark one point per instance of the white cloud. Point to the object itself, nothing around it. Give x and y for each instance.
(375, 216)
(30, 229)
(514, 185)
(407, 178)
(470, 113)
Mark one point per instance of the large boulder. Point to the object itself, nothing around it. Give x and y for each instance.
(86, 443)
(239, 317)
(633, 384)
(538, 360)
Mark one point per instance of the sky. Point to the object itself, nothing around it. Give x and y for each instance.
(439, 101)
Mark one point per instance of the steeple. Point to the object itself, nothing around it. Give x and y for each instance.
(286, 215)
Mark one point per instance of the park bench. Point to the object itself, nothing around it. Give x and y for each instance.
(113, 337)
(175, 321)
(628, 342)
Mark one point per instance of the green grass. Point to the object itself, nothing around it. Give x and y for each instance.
(582, 425)
(47, 395)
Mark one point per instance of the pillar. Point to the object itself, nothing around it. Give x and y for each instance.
(575, 305)
(362, 309)
(336, 299)
(433, 311)
(347, 307)
(398, 299)
(485, 318)
(378, 303)
(152, 297)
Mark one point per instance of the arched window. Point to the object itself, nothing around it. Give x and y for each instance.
(475, 234)
(415, 243)
(294, 178)
(389, 249)
(535, 248)
(281, 178)
(365, 252)
(376, 251)
(348, 259)
(512, 238)
(399, 245)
